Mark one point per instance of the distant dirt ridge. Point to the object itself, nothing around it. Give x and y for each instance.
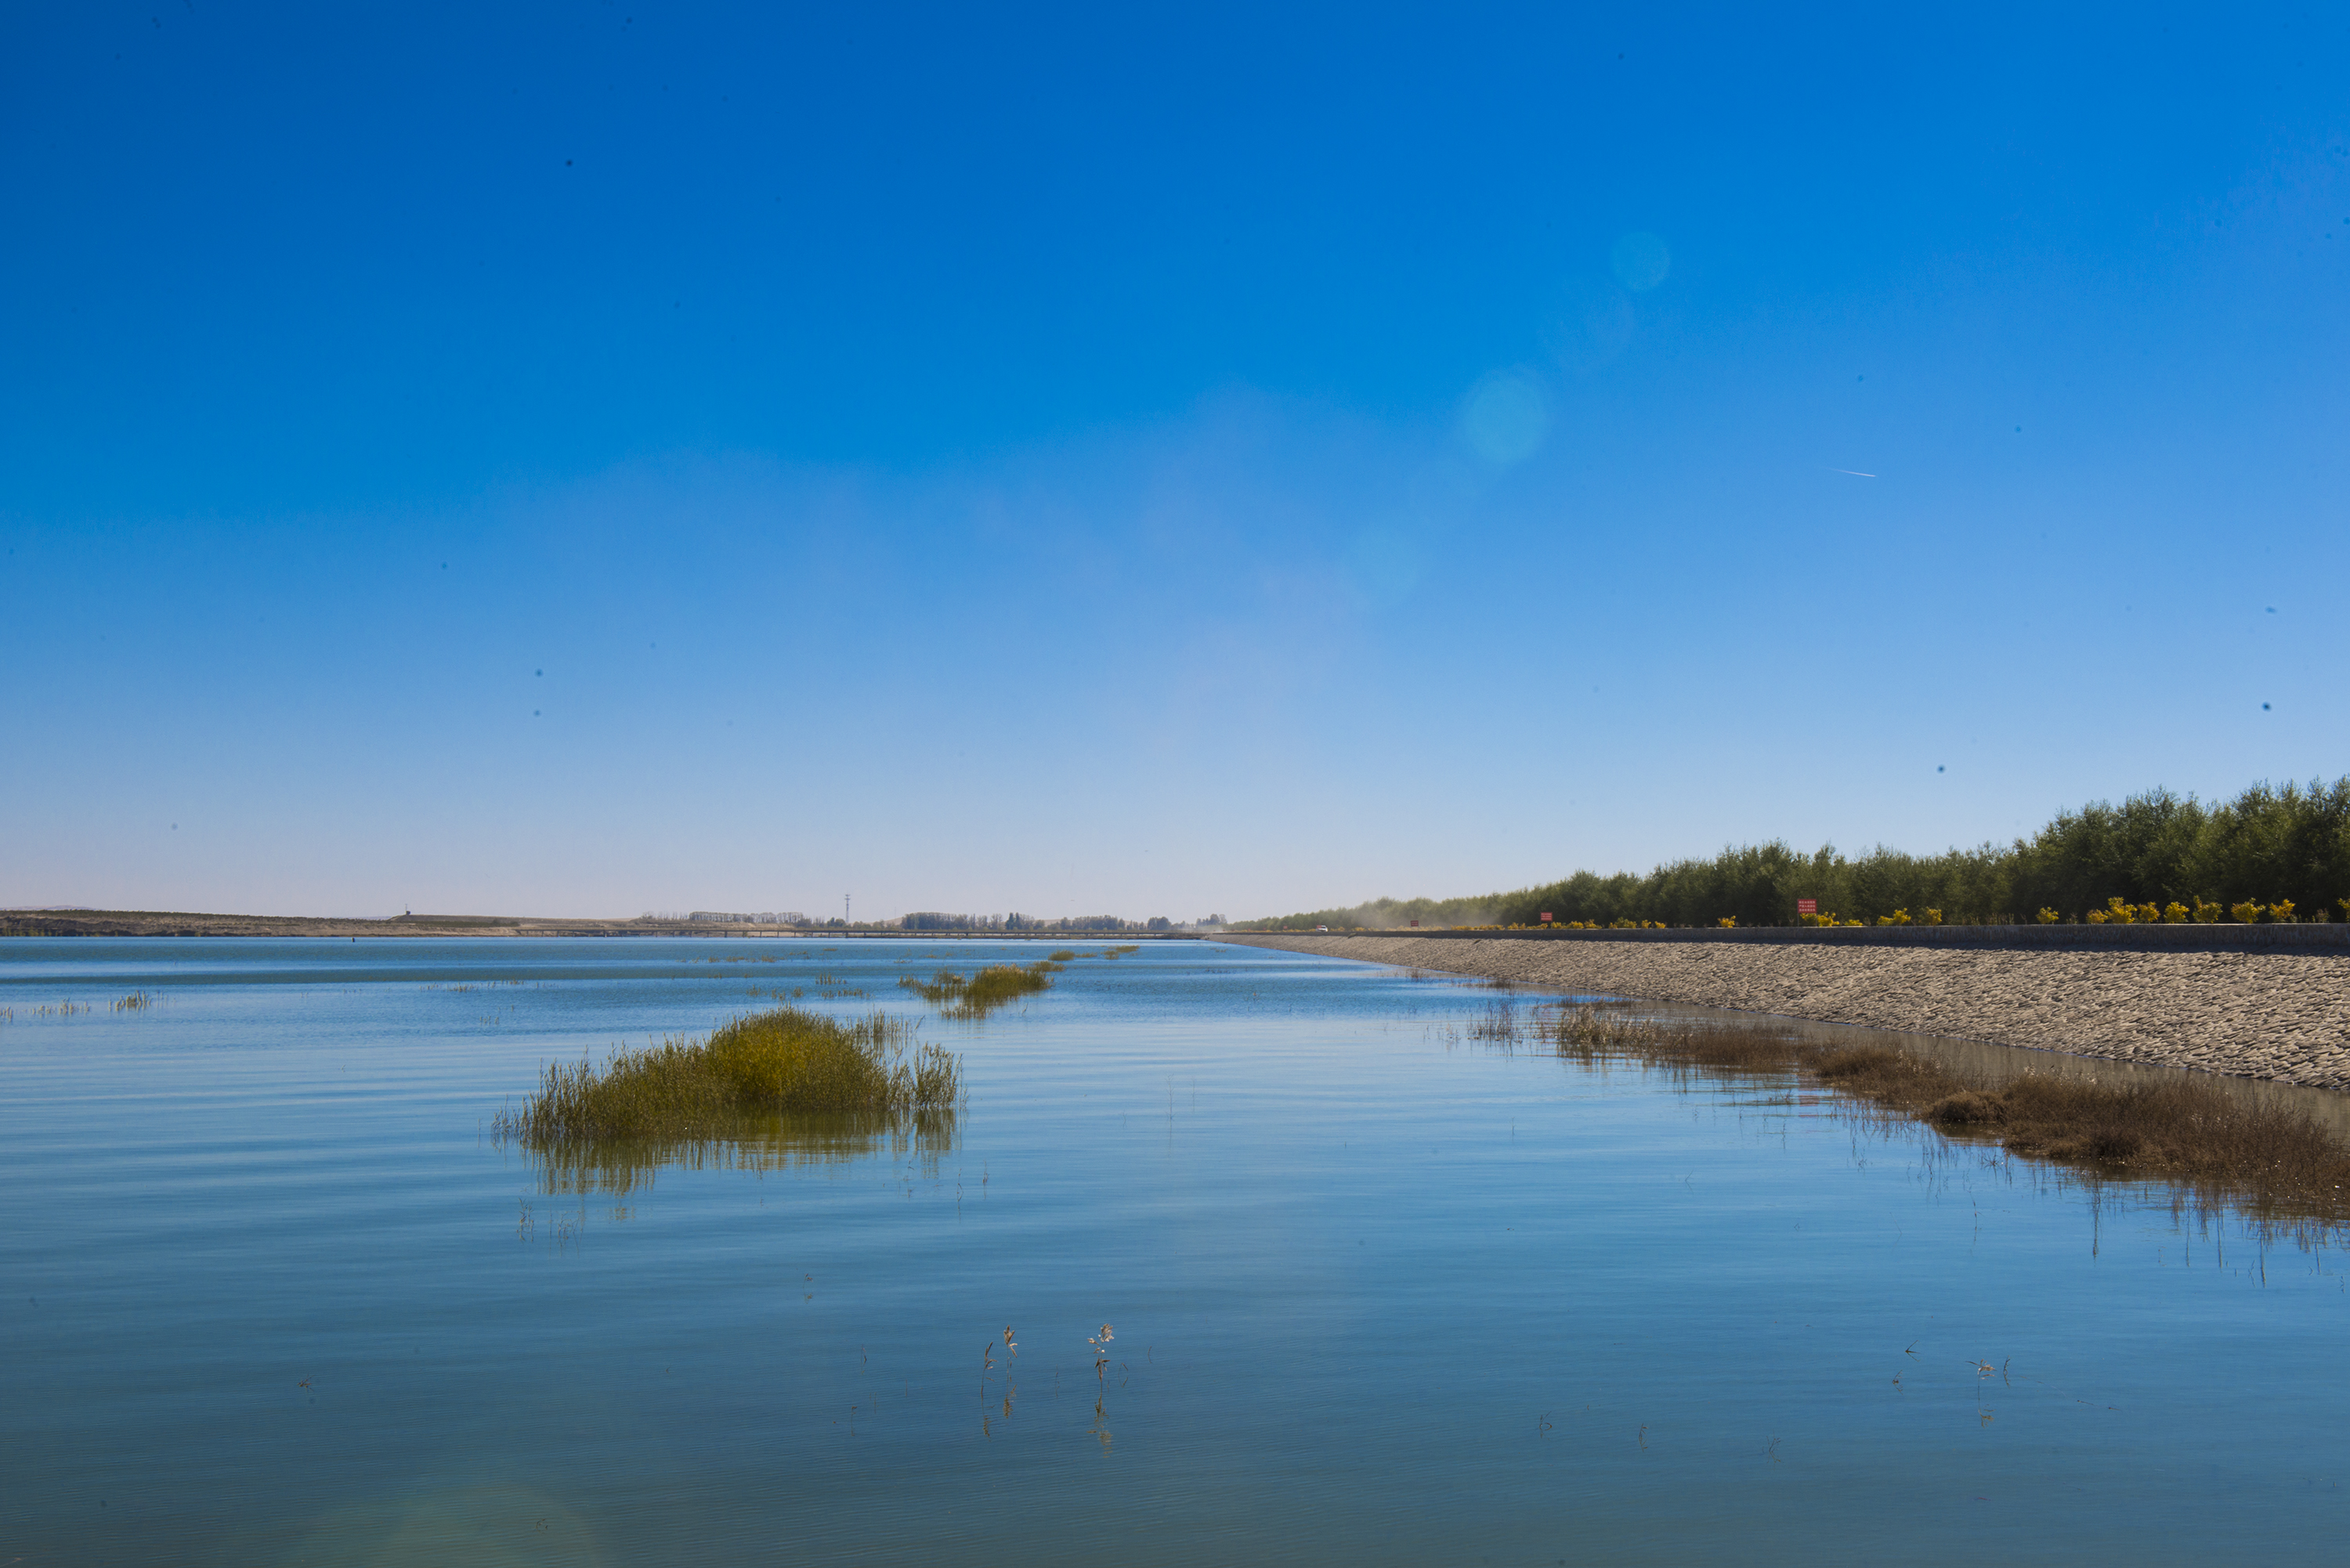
(152, 923)
(2283, 1015)
(158, 923)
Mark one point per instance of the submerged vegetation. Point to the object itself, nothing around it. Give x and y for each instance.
(2273, 853)
(786, 1061)
(2222, 1142)
(976, 996)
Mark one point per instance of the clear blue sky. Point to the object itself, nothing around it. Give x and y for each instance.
(589, 458)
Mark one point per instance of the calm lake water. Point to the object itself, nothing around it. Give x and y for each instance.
(1380, 1295)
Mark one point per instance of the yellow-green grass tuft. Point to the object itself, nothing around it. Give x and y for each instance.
(787, 1060)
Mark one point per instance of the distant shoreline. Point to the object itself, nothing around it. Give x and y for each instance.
(2279, 1015)
(408, 928)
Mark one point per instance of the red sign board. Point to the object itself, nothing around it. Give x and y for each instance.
(1546, 916)
(1807, 906)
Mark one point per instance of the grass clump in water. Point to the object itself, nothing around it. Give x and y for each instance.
(2171, 1127)
(788, 1060)
(2277, 1158)
(976, 996)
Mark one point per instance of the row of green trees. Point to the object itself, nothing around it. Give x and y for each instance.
(2271, 843)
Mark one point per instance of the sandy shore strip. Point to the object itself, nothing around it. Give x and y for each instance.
(2282, 1016)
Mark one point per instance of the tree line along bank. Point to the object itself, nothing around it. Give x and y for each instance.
(2274, 852)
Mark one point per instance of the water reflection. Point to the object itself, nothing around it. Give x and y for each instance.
(2271, 1155)
(757, 1144)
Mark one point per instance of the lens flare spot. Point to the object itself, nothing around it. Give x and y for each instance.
(1589, 323)
(1506, 416)
(1641, 261)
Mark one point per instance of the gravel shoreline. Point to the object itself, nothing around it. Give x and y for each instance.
(2280, 1016)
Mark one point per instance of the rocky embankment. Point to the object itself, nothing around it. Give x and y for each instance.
(2279, 1015)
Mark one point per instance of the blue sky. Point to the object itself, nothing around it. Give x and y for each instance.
(592, 458)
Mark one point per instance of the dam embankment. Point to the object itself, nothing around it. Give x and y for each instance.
(2261, 1008)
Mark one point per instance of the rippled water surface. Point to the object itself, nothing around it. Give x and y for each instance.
(1379, 1294)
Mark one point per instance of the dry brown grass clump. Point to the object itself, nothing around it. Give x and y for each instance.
(2184, 1129)
(2227, 1143)
(789, 1059)
(1892, 1078)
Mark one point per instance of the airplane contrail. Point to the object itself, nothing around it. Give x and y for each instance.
(1854, 471)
